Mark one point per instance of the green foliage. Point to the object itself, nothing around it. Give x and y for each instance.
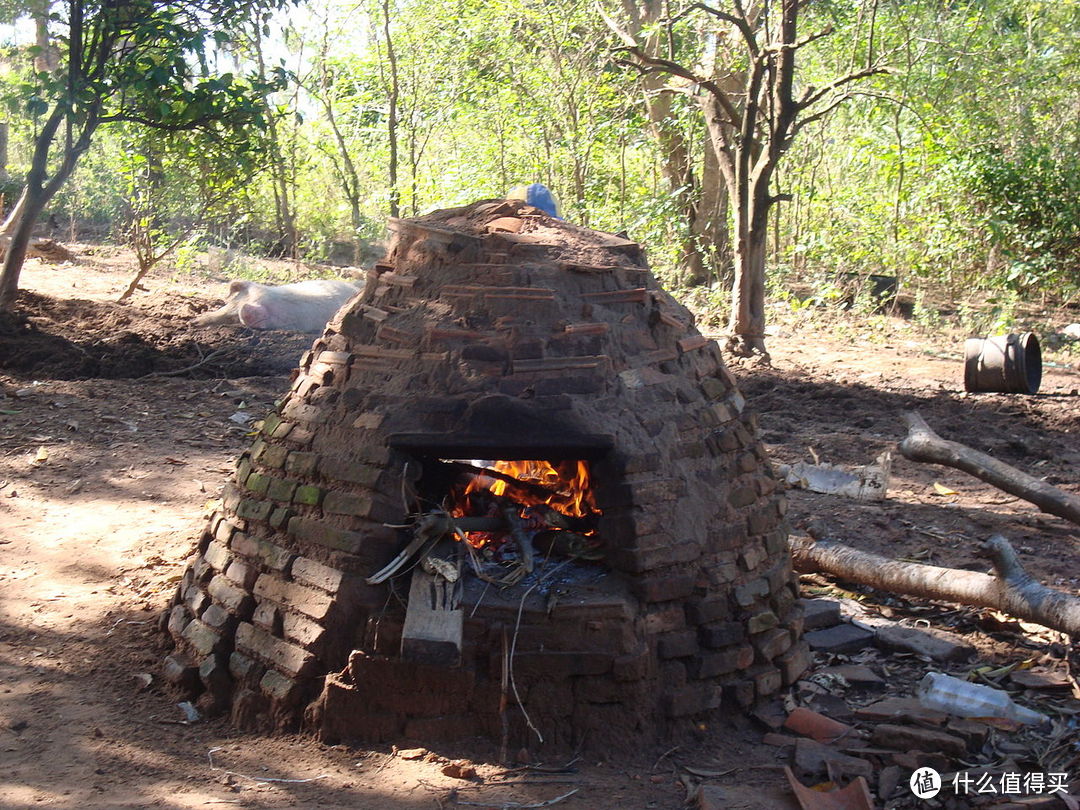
(958, 171)
(1029, 202)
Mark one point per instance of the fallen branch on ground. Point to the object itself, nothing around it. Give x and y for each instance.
(1012, 590)
(922, 444)
(48, 250)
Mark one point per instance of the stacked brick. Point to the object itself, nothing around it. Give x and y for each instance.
(495, 327)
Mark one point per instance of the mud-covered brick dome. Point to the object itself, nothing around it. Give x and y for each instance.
(496, 332)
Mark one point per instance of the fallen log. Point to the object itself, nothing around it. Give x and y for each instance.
(924, 445)
(1012, 590)
(47, 250)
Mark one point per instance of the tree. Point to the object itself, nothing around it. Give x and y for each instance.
(139, 61)
(752, 115)
(699, 192)
(173, 184)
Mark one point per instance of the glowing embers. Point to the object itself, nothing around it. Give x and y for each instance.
(501, 520)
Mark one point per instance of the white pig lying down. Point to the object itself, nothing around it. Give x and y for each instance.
(304, 306)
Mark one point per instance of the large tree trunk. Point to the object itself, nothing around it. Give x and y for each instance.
(1011, 591)
(923, 444)
(701, 197)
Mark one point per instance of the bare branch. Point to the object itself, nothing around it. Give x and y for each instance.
(658, 65)
(840, 82)
(623, 35)
(802, 123)
(794, 46)
(740, 23)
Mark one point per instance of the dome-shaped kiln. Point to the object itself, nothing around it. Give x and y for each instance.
(494, 333)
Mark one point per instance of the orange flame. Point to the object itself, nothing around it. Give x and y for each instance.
(568, 483)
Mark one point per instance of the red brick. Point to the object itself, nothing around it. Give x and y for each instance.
(202, 638)
(217, 555)
(677, 645)
(313, 603)
(288, 658)
(693, 698)
(303, 632)
(316, 574)
(235, 600)
(772, 643)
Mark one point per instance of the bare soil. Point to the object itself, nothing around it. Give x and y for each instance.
(119, 423)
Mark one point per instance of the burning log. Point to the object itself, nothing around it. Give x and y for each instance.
(557, 520)
(1011, 590)
(568, 544)
(537, 490)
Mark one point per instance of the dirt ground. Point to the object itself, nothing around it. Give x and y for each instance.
(118, 424)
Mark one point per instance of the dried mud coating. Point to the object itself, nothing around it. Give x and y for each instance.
(544, 341)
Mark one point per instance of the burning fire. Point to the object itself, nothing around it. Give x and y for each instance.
(568, 485)
(562, 486)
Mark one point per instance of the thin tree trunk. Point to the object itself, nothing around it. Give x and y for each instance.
(747, 323)
(1011, 591)
(15, 256)
(36, 194)
(392, 114)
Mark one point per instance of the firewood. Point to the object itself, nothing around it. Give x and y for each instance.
(428, 529)
(520, 535)
(538, 490)
(1011, 589)
(923, 444)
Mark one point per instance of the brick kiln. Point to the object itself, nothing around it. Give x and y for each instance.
(512, 493)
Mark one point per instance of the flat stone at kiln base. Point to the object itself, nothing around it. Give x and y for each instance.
(929, 642)
(820, 613)
(844, 638)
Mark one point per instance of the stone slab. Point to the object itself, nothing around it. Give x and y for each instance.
(844, 638)
(929, 642)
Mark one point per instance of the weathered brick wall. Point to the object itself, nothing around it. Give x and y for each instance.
(556, 334)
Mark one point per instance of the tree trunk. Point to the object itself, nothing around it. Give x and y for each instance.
(19, 225)
(923, 444)
(747, 323)
(700, 198)
(1011, 591)
(4, 127)
(392, 115)
(19, 231)
(710, 224)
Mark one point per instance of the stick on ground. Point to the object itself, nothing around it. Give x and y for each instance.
(922, 444)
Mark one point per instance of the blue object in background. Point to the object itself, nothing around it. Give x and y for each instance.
(537, 195)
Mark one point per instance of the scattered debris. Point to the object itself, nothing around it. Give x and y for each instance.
(866, 483)
(929, 642)
(213, 767)
(947, 694)
(855, 796)
(843, 638)
(459, 769)
(191, 714)
(820, 613)
(816, 726)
